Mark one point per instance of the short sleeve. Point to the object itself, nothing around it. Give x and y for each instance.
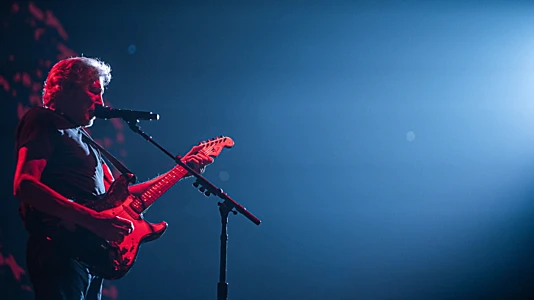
(37, 132)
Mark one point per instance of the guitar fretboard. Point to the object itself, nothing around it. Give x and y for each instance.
(163, 185)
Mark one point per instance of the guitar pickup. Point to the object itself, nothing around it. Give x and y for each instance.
(137, 206)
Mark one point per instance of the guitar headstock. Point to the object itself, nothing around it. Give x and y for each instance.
(213, 147)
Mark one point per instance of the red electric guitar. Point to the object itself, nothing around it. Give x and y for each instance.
(113, 260)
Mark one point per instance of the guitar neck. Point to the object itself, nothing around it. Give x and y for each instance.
(163, 185)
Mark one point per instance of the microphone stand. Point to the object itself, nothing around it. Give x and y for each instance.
(226, 206)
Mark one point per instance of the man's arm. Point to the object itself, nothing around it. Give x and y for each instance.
(194, 159)
(28, 188)
(135, 189)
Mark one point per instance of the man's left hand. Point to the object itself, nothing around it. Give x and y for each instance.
(197, 160)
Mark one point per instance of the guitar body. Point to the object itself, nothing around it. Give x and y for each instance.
(113, 260)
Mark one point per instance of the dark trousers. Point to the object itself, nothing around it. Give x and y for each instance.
(55, 276)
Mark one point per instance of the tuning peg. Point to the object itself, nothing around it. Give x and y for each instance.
(207, 193)
(196, 184)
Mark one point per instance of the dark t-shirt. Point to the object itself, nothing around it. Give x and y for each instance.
(73, 168)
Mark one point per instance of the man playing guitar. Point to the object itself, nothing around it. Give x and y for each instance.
(58, 173)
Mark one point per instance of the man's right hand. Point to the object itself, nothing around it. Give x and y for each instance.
(109, 227)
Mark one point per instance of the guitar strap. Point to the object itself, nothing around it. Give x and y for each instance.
(112, 159)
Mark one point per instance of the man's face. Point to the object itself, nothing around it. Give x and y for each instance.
(81, 104)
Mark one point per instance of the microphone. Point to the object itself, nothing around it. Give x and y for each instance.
(106, 112)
